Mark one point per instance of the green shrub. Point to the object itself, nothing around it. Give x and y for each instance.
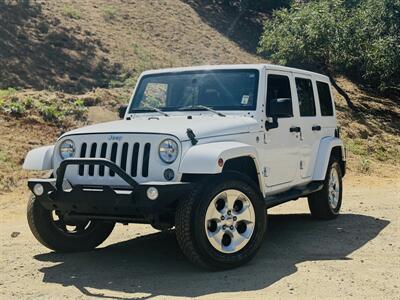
(6, 93)
(3, 157)
(51, 113)
(16, 109)
(364, 165)
(71, 12)
(359, 38)
(109, 13)
(79, 103)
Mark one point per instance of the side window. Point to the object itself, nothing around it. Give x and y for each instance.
(325, 99)
(278, 88)
(305, 94)
(155, 95)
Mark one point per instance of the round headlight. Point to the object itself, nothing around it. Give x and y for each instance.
(168, 151)
(67, 149)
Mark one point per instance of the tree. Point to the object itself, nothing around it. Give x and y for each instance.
(358, 38)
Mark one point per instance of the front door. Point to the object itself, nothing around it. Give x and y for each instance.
(280, 155)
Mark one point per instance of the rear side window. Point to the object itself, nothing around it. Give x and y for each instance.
(325, 99)
(278, 88)
(305, 94)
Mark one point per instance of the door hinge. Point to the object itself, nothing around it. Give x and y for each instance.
(265, 138)
(266, 171)
(301, 165)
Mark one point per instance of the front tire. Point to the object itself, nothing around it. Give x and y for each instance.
(222, 223)
(60, 234)
(326, 203)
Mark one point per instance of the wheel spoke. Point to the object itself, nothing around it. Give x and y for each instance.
(231, 197)
(216, 237)
(244, 214)
(214, 214)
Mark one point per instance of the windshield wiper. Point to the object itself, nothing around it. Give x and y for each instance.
(190, 107)
(153, 109)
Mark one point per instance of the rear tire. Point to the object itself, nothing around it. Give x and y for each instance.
(326, 203)
(53, 233)
(222, 223)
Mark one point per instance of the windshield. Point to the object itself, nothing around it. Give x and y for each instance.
(216, 89)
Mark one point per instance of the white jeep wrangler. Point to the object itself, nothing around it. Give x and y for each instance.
(205, 149)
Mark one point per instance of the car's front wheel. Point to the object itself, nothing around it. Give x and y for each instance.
(64, 234)
(222, 223)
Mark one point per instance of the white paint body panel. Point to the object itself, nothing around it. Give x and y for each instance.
(204, 125)
(39, 159)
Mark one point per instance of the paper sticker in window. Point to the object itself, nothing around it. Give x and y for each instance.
(245, 99)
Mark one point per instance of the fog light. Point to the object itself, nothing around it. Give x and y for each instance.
(169, 174)
(152, 193)
(38, 189)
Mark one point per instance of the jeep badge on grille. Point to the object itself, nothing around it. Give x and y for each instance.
(113, 137)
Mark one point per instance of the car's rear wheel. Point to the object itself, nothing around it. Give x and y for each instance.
(326, 203)
(222, 223)
(62, 233)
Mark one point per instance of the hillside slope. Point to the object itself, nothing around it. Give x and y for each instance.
(63, 61)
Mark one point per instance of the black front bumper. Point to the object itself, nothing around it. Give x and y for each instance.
(107, 201)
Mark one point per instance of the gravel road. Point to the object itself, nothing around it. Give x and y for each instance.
(356, 255)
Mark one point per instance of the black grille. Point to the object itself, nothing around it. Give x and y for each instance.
(112, 152)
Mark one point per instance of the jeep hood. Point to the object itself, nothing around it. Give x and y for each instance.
(203, 126)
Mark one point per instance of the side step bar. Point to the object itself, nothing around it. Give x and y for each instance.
(293, 194)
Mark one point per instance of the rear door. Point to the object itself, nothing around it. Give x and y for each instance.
(309, 122)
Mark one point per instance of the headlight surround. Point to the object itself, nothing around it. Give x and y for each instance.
(168, 151)
(67, 149)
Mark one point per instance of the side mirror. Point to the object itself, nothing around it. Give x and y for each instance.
(122, 110)
(280, 108)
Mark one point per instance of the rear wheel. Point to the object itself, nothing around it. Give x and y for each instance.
(64, 234)
(222, 223)
(326, 203)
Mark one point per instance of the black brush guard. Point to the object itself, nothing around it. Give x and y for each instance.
(103, 201)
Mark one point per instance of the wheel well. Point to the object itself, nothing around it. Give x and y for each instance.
(336, 153)
(245, 165)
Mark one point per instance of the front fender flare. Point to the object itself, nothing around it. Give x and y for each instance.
(324, 153)
(39, 159)
(203, 159)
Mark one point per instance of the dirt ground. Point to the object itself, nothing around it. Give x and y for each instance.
(356, 255)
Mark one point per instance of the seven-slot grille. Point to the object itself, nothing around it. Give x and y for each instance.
(125, 155)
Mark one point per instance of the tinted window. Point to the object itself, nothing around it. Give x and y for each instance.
(278, 88)
(325, 99)
(306, 97)
(218, 89)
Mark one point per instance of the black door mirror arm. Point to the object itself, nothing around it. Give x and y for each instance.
(122, 110)
(271, 125)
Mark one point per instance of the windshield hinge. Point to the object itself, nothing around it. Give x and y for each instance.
(191, 136)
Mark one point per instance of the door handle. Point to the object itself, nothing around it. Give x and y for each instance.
(316, 128)
(295, 129)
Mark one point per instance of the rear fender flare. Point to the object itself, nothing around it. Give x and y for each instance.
(324, 155)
